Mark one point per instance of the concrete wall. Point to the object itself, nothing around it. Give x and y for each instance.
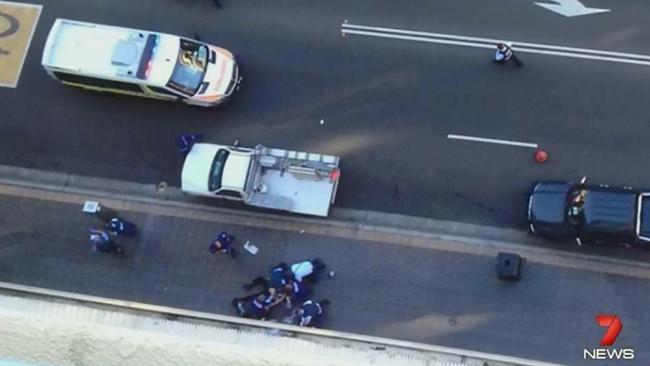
(48, 330)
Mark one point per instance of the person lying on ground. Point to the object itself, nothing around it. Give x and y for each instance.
(308, 271)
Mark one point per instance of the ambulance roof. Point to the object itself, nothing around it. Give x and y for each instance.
(111, 52)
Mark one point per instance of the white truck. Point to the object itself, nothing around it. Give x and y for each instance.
(287, 180)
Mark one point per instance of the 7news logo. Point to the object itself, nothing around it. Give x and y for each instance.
(604, 352)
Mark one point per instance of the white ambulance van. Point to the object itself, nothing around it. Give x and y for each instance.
(136, 62)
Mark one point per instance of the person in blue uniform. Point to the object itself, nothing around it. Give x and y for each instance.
(102, 242)
(119, 226)
(296, 292)
(186, 141)
(311, 312)
(223, 244)
(257, 306)
(279, 276)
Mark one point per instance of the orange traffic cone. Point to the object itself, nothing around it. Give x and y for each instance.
(541, 156)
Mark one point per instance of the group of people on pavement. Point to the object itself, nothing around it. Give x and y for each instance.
(288, 284)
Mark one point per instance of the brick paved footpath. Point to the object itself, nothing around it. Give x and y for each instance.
(387, 284)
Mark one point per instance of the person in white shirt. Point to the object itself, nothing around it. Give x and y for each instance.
(308, 270)
(505, 53)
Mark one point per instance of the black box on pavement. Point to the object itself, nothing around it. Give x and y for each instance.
(509, 266)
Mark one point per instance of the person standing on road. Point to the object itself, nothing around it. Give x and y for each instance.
(217, 3)
(505, 53)
(223, 244)
(102, 242)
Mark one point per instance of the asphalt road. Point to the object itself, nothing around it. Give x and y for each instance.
(388, 105)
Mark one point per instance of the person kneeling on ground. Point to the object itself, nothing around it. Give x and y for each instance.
(311, 312)
(280, 276)
(119, 226)
(505, 53)
(102, 242)
(257, 306)
(223, 244)
(296, 292)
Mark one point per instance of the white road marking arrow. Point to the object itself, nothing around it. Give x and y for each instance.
(570, 8)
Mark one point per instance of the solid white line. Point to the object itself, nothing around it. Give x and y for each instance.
(588, 57)
(491, 41)
(486, 45)
(491, 141)
(420, 39)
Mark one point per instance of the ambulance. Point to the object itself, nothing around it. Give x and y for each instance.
(142, 63)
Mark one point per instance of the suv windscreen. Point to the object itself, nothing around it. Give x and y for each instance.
(191, 63)
(575, 206)
(216, 170)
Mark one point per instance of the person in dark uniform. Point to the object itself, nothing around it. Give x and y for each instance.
(311, 312)
(217, 3)
(280, 276)
(119, 226)
(257, 306)
(185, 142)
(102, 242)
(223, 244)
(296, 292)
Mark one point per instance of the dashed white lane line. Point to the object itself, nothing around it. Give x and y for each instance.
(479, 42)
(492, 141)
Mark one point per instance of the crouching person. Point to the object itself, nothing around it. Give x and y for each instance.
(119, 226)
(311, 312)
(257, 306)
(102, 242)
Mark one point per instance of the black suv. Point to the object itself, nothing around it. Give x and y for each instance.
(588, 213)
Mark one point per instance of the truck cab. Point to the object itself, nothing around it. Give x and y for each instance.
(216, 170)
